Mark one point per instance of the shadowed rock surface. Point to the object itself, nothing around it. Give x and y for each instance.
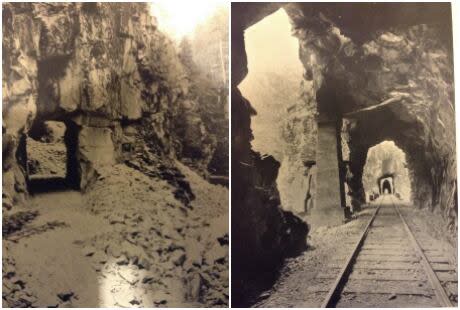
(112, 78)
(386, 71)
(120, 90)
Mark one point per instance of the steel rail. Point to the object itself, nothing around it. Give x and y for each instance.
(344, 272)
(335, 290)
(441, 294)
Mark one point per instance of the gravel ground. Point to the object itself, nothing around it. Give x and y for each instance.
(326, 246)
(46, 158)
(128, 242)
(297, 274)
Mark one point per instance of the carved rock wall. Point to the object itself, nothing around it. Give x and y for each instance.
(105, 71)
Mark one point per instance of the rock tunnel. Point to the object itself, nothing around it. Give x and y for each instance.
(50, 78)
(391, 80)
(51, 160)
(386, 161)
(106, 89)
(139, 127)
(386, 186)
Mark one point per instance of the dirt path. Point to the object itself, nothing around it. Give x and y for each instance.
(298, 274)
(51, 261)
(127, 243)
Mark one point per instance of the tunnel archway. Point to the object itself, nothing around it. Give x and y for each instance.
(379, 85)
(51, 156)
(273, 85)
(386, 186)
(360, 74)
(261, 237)
(386, 168)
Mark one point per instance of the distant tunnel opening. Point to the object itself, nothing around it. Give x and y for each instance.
(386, 172)
(376, 83)
(51, 163)
(386, 187)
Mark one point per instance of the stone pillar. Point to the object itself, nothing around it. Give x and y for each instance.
(95, 150)
(328, 207)
(89, 149)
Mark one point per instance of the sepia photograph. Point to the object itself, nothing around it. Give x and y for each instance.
(343, 155)
(115, 123)
(229, 154)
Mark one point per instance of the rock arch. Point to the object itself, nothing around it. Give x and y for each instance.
(118, 90)
(373, 81)
(386, 185)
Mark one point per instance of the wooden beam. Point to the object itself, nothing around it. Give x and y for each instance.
(377, 106)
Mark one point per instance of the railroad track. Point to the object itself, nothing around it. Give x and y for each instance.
(387, 267)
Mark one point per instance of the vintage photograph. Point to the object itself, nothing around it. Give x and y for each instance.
(343, 155)
(115, 154)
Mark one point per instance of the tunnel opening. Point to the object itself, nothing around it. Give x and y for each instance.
(386, 172)
(376, 82)
(51, 163)
(386, 187)
(274, 87)
(269, 161)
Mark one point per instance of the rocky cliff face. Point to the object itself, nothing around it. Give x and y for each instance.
(208, 106)
(298, 170)
(401, 77)
(390, 80)
(285, 128)
(109, 74)
(263, 234)
(120, 87)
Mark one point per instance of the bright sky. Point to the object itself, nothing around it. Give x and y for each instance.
(180, 18)
(270, 45)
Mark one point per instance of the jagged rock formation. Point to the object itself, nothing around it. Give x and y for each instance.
(133, 240)
(208, 106)
(300, 133)
(120, 88)
(109, 74)
(384, 70)
(285, 127)
(211, 55)
(267, 234)
(263, 234)
(409, 63)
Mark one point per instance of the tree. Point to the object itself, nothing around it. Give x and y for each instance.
(186, 56)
